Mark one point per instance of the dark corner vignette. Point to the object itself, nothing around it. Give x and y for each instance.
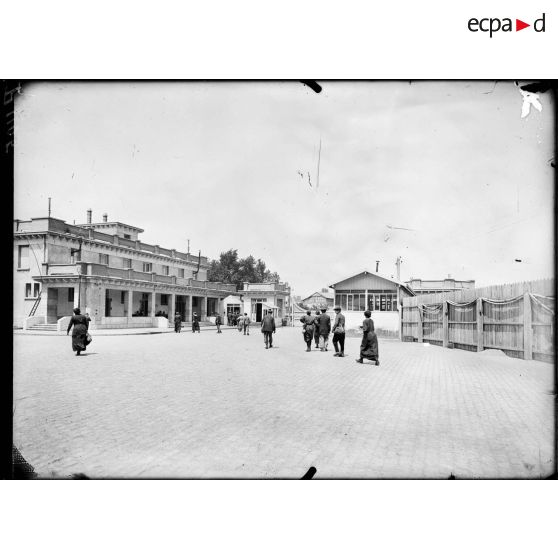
(10, 89)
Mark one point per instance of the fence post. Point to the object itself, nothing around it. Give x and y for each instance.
(445, 323)
(527, 328)
(480, 326)
(420, 331)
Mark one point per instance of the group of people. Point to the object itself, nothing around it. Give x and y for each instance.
(233, 317)
(242, 322)
(317, 329)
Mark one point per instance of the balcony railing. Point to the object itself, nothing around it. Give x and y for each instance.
(83, 268)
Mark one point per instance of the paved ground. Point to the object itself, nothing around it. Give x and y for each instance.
(208, 405)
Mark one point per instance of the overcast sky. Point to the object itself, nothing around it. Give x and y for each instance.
(235, 165)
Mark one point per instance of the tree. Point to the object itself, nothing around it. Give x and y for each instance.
(229, 269)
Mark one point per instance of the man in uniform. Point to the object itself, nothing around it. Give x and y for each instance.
(218, 323)
(339, 332)
(324, 327)
(268, 329)
(317, 329)
(308, 329)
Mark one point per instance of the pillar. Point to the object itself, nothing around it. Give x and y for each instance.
(172, 306)
(130, 304)
(527, 328)
(189, 308)
(204, 309)
(152, 308)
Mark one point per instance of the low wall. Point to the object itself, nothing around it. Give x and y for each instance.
(62, 324)
(128, 323)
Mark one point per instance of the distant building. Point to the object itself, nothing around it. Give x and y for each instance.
(109, 273)
(371, 291)
(259, 297)
(319, 299)
(430, 286)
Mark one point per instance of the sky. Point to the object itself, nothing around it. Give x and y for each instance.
(445, 174)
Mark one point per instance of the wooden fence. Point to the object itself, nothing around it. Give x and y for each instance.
(516, 318)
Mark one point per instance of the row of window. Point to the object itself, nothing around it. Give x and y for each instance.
(147, 266)
(384, 302)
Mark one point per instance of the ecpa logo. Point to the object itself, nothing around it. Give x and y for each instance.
(492, 25)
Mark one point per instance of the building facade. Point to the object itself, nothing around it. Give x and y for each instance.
(319, 300)
(259, 297)
(107, 271)
(430, 286)
(370, 291)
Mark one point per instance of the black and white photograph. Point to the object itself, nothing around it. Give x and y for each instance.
(284, 279)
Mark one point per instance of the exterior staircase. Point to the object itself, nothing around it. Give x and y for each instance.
(42, 327)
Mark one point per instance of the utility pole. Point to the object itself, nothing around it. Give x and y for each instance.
(188, 246)
(49, 207)
(398, 265)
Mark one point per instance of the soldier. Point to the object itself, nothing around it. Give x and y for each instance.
(268, 328)
(246, 324)
(339, 332)
(324, 327)
(308, 329)
(195, 323)
(317, 330)
(218, 323)
(177, 322)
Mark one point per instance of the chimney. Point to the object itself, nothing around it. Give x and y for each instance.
(105, 217)
(89, 214)
(377, 265)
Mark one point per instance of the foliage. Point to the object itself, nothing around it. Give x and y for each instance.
(230, 269)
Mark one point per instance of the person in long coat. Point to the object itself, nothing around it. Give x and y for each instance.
(308, 329)
(369, 345)
(268, 329)
(240, 323)
(195, 323)
(177, 322)
(79, 333)
(218, 322)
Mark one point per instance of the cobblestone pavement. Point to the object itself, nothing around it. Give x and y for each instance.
(208, 405)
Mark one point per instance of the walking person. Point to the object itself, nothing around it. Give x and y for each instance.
(177, 322)
(195, 323)
(308, 329)
(369, 345)
(268, 328)
(324, 328)
(229, 318)
(240, 322)
(79, 333)
(339, 332)
(218, 323)
(317, 330)
(246, 324)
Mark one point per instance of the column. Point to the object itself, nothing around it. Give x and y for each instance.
(152, 309)
(527, 328)
(420, 331)
(480, 326)
(204, 309)
(189, 308)
(130, 305)
(172, 306)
